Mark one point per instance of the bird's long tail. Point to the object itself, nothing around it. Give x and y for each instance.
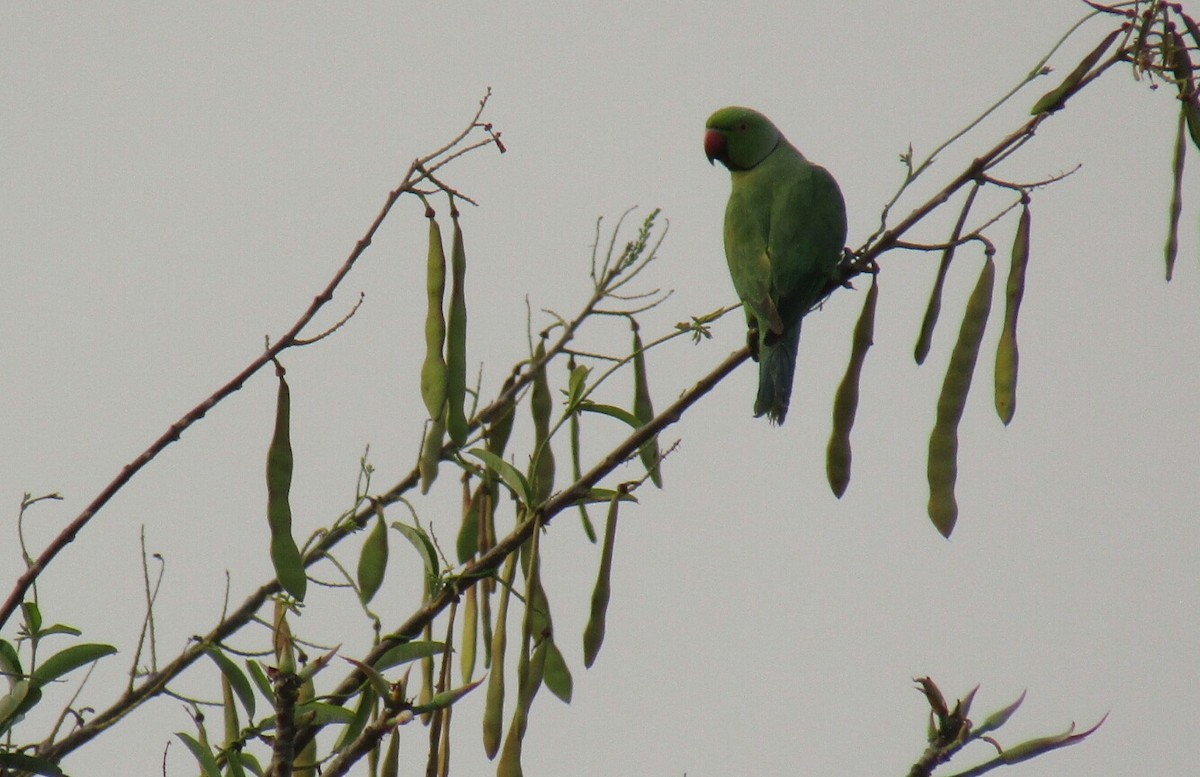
(776, 367)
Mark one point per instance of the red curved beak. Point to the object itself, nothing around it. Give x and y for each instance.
(714, 145)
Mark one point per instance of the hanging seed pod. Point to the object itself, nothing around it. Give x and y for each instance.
(433, 370)
(934, 307)
(845, 403)
(493, 710)
(1172, 247)
(541, 406)
(643, 408)
(285, 555)
(1006, 350)
(943, 441)
(456, 338)
(431, 451)
(593, 633)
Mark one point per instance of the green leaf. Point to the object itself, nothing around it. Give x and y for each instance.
(612, 411)
(27, 763)
(10, 663)
(999, 717)
(203, 755)
(511, 476)
(261, 681)
(362, 714)
(319, 713)
(237, 678)
(70, 659)
(446, 698)
(409, 651)
(33, 618)
(420, 540)
(643, 410)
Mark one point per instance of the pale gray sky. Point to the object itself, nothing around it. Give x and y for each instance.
(180, 181)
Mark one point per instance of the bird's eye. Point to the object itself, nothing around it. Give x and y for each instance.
(743, 127)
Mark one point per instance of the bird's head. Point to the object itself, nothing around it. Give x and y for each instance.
(739, 138)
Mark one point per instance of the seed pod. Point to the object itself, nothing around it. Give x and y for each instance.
(1054, 99)
(456, 338)
(925, 338)
(942, 469)
(469, 630)
(372, 561)
(391, 759)
(493, 710)
(845, 403)
(285, 555)
(1006, 350)
(643, 408)
(541, 406)
(433, 370)
(593, 633)
(431, 451)
(468, 534)
(576, 463)
(1172, 247)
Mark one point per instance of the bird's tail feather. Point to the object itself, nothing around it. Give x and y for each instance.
(776, 367)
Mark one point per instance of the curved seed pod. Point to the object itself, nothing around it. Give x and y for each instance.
(433, 370)
(456, 338)
(593, 633)
(372, 561)
(643, 408)
(845, 403)
(942, 469)
(493, 710)
(285, 555)
(541, 406)
(1172, 247)
(934, 307)
(431, 451)
(391, 759)
(1054, 99)
(1006, 351)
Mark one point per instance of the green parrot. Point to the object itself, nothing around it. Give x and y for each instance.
(785, 230)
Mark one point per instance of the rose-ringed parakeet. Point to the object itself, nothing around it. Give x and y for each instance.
(785, 230)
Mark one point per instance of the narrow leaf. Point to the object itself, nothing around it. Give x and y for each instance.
(431, 450)
(1007, 355)
(446, 698)
(845, 404)
(237, 678)
(999, 717)
(409, 651)
(613, 412)
(467, 543)
(420, 540)
(556, 674)
(285, 555)
(943, 441)
(68, 660)
(511, 476)
(203, 755)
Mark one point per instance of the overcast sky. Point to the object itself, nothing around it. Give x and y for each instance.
(180, 181)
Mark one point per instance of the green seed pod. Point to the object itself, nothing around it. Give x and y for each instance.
(372, 561)
(643, 408)
(541, 406)
(593, 633)
(1172, 247)
(942, 469)
(1054, 99)
(493, 710)
(433, 370)
(1006, 351)
(577, 468)
(431, 451)
(934, 307)
(470, 629)
(285, 555)
(456, 339)
(845, 403)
